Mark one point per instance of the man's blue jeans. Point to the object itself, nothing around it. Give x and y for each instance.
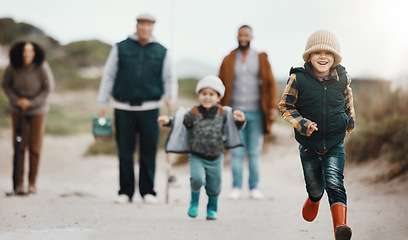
(324, 172)
(252, 138)
(206, 173)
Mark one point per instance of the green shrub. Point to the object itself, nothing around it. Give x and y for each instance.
(103, 147)
(187, 87)
(86, 53)
(374, 100)
(68, 78)
(4, 106)
(381, 128)
(4, 110)
(62, 121)
(12, 32)
(386, 138)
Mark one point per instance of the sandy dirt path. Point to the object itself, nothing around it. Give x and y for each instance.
(75, 200)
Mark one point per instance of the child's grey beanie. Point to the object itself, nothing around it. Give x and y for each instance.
(213, 82)
(323, 40)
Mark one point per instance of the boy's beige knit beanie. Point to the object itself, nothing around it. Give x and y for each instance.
(323, 40)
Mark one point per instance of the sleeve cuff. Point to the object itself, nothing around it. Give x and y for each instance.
(306, 124)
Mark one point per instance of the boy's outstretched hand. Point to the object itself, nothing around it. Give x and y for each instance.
(311, 129)
(239, 115)
(163, 120)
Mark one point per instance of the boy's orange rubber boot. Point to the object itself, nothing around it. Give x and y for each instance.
(310, 210)
(339, 215)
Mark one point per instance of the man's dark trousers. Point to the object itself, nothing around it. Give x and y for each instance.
(128, 124)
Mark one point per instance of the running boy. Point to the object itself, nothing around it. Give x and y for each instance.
(205, 132)
(318, 102)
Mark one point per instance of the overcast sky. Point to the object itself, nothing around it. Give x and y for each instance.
(373, 33)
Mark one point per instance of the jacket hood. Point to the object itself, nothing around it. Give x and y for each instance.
(133, 36)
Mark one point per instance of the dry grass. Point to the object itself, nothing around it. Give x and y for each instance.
(382, 127)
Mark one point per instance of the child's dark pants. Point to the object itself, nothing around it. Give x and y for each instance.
(324, 171)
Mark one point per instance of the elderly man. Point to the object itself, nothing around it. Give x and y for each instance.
(138, 72)
(250, 87)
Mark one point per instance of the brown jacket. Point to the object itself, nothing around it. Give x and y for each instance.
(269, 89)
(34, 83)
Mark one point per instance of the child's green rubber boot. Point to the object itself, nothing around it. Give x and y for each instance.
(212, 208)
(193, 210)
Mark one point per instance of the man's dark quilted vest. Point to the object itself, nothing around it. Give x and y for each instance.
(322, 103)
(139, 76)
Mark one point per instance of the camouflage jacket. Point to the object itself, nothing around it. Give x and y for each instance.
(204, 133)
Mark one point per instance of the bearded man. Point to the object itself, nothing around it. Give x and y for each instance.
(250, 87)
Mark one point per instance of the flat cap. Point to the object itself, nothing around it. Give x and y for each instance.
(146, 17)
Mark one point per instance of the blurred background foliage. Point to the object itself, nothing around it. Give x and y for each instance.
(381, 112)
(382, 126)
(72, 64)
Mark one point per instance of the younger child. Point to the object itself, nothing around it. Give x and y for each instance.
(204, 132)
(318, 102)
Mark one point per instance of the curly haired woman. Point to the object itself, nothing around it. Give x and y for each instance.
(28, 81)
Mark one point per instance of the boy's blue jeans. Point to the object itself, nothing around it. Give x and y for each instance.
(206, 173)
(252, 138)
(324, 172)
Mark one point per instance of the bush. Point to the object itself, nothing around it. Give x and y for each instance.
(5, 120)
(374, 100)
(102, 147)
(12, 32)
(4, 110)
(381, 128)
(86, 53)
(68, 78)
(61, 121)
(187, 87)
(386, 138)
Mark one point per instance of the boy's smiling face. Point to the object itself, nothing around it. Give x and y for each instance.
(208, 98)
(322, 62)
